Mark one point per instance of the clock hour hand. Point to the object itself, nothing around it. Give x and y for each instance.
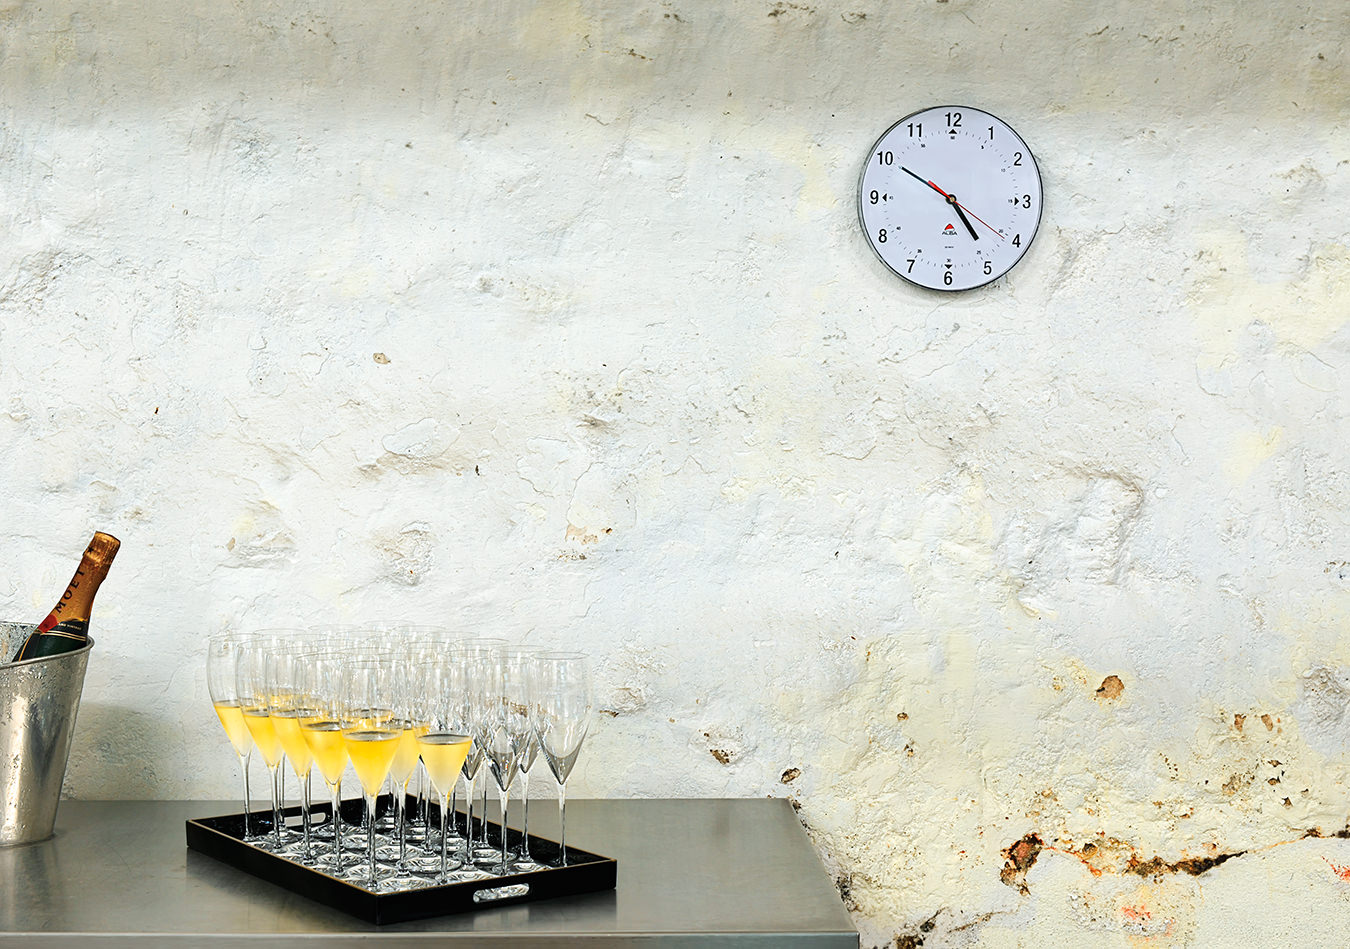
(962, 215)
(951, 199)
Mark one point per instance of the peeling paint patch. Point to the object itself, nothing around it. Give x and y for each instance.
(1193, 866)
(1111, 688)
(1021, 856)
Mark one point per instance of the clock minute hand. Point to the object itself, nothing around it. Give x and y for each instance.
(923, 181)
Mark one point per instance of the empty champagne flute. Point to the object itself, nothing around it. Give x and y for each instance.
(468, 711)
(562, 702)
(222, 664)
(525, 863)
(506, 727)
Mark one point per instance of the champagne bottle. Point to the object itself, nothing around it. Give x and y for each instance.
(66, 627)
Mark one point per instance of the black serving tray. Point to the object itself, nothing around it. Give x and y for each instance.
(222, 838)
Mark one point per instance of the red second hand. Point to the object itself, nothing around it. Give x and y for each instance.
(966, 209)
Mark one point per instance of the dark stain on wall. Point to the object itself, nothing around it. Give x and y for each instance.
(1021, 856)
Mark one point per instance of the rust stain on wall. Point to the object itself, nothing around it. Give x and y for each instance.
(1106, 855)
(1111, 688)
(1021, 856)
(1343, 873)
(1194, 866)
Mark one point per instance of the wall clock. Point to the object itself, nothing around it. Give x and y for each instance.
(950, 198)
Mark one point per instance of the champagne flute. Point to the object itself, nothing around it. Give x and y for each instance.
(525, 863)
(288, 710)
(442, 747)
(222, 664)
(506, 726)
(369, 734)
(320, 690)
(421, 644)
(406, 756)
(253, 697)
(471, 706)
(563, 700)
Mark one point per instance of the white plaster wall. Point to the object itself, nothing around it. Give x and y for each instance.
(554, 318)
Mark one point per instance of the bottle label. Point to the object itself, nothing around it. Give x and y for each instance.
(69, 629)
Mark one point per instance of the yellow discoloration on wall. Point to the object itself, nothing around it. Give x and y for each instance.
(1250, 451)
(1225, 297)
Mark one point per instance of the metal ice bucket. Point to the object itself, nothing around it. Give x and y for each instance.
(38, 702)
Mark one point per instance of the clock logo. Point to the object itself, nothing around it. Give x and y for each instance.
(953, 170)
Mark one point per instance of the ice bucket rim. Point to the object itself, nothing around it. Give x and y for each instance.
(29, 663)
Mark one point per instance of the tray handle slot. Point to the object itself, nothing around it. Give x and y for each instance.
(501, 893)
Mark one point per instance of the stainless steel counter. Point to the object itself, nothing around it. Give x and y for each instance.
(692, 873)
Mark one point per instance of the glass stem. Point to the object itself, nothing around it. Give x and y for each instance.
(243, 769)
(276, 803)
(482, 817)
(335, 790)
(525, 825)
(454, 805)
(399, 805)
(370, 833)
(468, 824)
(304, 816)
(423, 798)
(506, 797)
(562, 820)
(444, 837)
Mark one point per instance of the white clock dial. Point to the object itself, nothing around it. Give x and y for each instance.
(950, 198)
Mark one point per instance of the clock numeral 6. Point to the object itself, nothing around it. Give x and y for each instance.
(947, 278)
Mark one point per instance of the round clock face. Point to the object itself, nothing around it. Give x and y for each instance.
(950, 198)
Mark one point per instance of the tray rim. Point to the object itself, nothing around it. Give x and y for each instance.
(594, 873)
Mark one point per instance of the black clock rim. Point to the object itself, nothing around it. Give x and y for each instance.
(1040, 211)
